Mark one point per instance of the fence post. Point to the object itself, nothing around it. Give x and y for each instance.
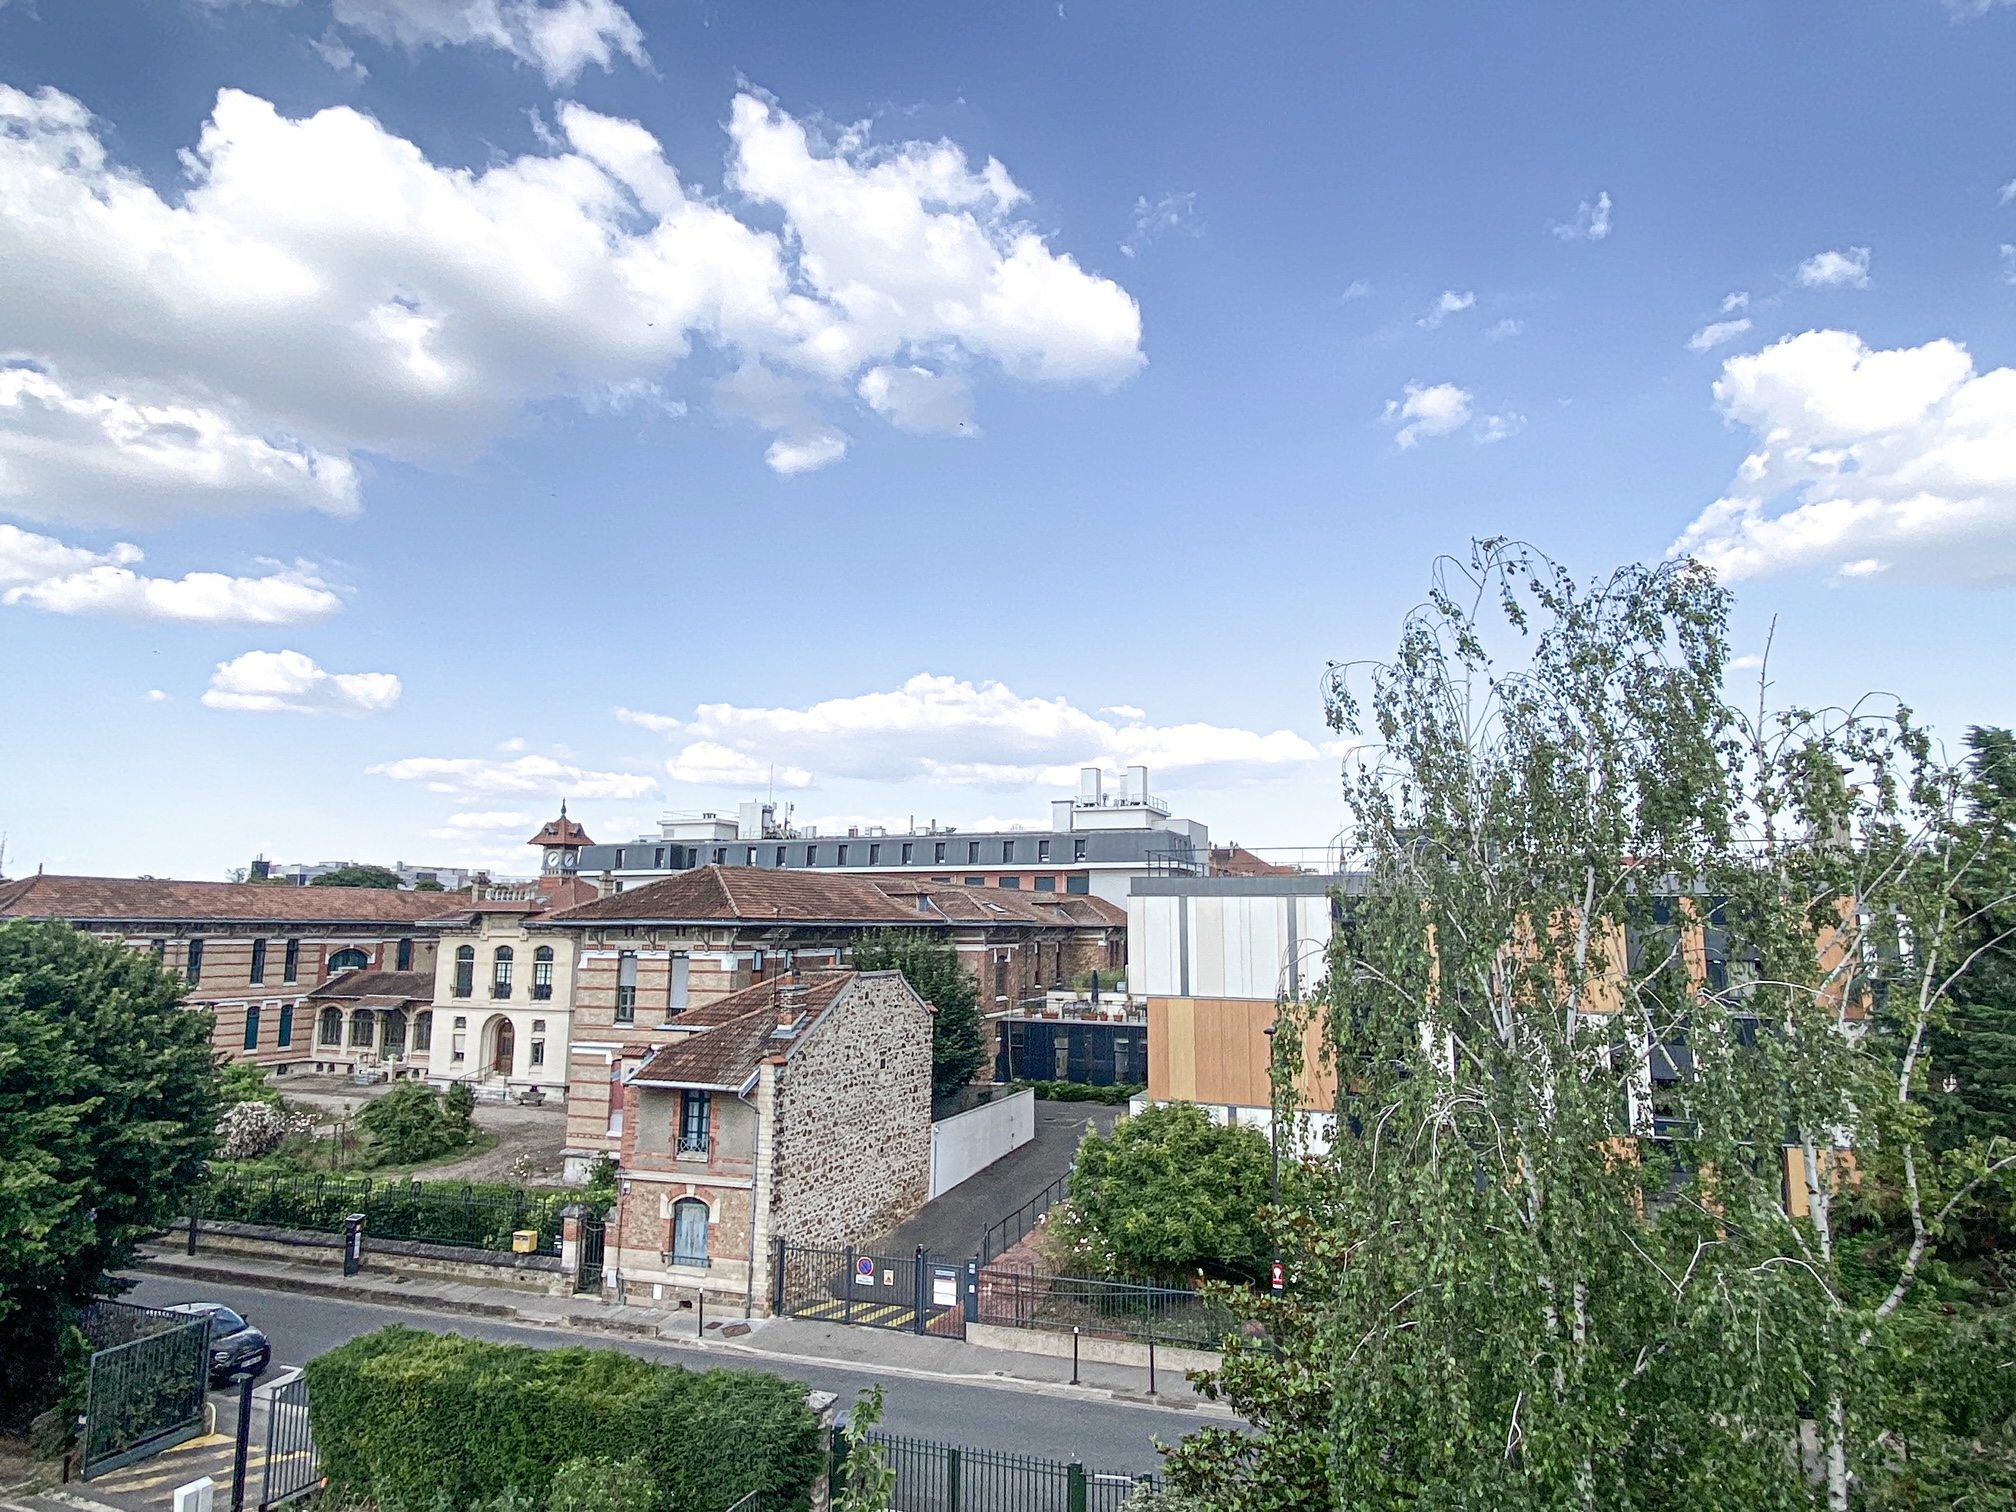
(951, 1478)
(917, 1293)
(195, 1217)
(836, 1471)
(1074, 1479)
(244, 1444)
(777, 1278)
(847, 1297)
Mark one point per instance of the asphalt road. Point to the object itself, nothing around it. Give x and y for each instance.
(1107, 1437)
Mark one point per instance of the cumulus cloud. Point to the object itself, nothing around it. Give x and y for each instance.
(1716, 333)
(1895, 462)
(919, 400)
(40, 572)
(1498, 427)
(1845, 268)
(1433, 409)
(2009, 262)
(1505, 329)
(559, 37)
(1749, 662)
(287, 682)
(1170, 213)
(1591, 222)
(156, 695)
(231, 341)
(468, 826)
(480, 775)
(1450, 303)
(949, 730)
(1739, 300)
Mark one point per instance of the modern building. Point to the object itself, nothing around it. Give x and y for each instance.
(799, 1107)
(1097, 842)
(251, 953)
(410, 874)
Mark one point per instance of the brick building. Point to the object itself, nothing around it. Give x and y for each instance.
(249, 952)
(799, 1107)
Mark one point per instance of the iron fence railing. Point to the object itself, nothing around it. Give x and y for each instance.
(1012, 1296)
(428, 1212)
(1004, 1233)
(293, 1467)
(935, 1477)
(144, 1394)
(753, 1502)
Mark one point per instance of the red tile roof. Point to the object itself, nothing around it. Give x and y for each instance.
(747, 894)
(561, 831)
(738, 1032)
(1005, 905)
(148, 900)
(366, 983)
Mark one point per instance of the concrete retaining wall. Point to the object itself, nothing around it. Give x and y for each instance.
(535, 1273)
(969, 1142)
(1045, 1341)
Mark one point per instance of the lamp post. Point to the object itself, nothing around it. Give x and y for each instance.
(1275, 1276)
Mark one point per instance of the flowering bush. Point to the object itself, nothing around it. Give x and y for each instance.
(248, 1130)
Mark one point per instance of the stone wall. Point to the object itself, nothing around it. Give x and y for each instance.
(851, 1151)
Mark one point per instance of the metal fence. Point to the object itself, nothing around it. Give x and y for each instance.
(1025, 1297)
(292, 1467)
(934, 1477)
(429, 1212)
(145, 1388)
(1004, 1233)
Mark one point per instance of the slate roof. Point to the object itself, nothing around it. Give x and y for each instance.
(738, 1032)
(747, 894)
(150, 900)
(1004, 905)
(366, 983)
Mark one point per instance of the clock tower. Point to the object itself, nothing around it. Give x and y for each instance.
(560, 840)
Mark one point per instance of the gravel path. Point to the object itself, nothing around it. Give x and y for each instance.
(539, 1133)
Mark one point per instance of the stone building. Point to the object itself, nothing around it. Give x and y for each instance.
(249, 952)
(799, 1107)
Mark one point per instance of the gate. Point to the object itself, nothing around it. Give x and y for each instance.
(918, 1292)
(146, 1386)
(588, 1262)
(292, 1468)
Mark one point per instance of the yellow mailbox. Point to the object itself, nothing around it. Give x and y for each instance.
(525, 1242)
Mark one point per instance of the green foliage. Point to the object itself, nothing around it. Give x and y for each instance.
(1085, 1092)
(428, 884)
(1166, 1194)
(600, 1192)
(870, 1481)
(460, 1104)
(603, 1485)
(1111, 979)
(472, 1215)
(379, 877)
(932, 969)
(242, 1081)
(107, 1097)
(405, 1417)
(409, 1124)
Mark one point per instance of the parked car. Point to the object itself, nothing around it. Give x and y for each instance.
(236, 1347)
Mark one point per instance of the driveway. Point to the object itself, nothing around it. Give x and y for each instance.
(954, 1223)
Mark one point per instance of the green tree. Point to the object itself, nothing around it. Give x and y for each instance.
(931, 967)
(107, 1093)
(428, 884)
(1166, 1194)
(1547, 1261)
(459, 1102)
(382, 877)
(242, 1081)
(410, 1124)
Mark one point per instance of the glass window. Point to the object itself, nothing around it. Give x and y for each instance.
(720, 855)
(251, 1026)
(694, 1112)
(874, 855)
(1077, 850)
(360, 1030)
(224, 1321)
(1014, 884)
(542, 973)
(258, 960)
(938, 851)
(329, 1029)
(972, 852)
(405, 955)
(840, 852)
(907, 849)
(290, 970)
(626, 987)
(615, 1099)
(689, 1231)
(352, 959)
(1042, 850)
(538, 1052)
(423, 1032)
(780, 855)
(976, 881)
(1046, 884)
(465, 970)
(160, 950)
(286, 1025)
(1007, 851)
(676, 995)
(500, 972)
(195, 971)
(811, 855)
(749, 856)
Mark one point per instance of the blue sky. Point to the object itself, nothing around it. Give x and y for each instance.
(628, 401)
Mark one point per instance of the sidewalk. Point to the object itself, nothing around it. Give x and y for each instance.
(785, 1341)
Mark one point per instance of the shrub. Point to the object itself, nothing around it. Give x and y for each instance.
(1065, 1091)
(250, 1129)
(460, 1104)
(601, 1190)
(405, 1417)
(410, 1124)
(603, 1485)
(241, 1081)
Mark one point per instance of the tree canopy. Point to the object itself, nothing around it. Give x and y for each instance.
(108, 1091)
(382, 877)
(931, 967)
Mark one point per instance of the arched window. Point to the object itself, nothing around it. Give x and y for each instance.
(363, 1025)
(465, 970)
(348, 960)
(542, 973)
(329, 1027)
(423, 1032)
(500, 972)
(689, 1231)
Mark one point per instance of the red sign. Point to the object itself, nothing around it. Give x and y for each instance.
(1279, 1279)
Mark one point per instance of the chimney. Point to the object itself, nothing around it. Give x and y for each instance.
(1137, 784)
(790, 1005)
(1088, 785)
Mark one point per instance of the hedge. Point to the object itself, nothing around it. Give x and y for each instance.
(475, 1216)
(409, 1421)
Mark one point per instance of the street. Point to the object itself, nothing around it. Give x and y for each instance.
(1113, 1437)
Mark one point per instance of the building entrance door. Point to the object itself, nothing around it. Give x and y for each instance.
(500, 1063)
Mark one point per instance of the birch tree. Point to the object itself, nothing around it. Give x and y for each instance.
(1629, 1204)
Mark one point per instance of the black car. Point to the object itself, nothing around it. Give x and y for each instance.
(236, 1347)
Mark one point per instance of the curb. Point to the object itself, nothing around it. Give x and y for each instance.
(336, 1290)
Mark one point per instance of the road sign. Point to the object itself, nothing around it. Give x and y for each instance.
(1279, 1279)
(865, 1268)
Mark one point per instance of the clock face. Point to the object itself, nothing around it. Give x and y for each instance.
(567, 859)
(552, 860)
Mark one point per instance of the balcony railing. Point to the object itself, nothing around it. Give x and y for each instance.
(695, 1146)
(542, 992)
(499, 991)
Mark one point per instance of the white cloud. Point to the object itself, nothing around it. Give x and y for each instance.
(1750, 662)
(1716, 333)
(156, 695)
(478, 775)
(1731, 303)
(1898, 462)
(1836, 269)
(337, 53)
(1498, 427)
(919, 400)
(1428, 410)
(1505, 329)
(1450, 303)
(2009, 262)
(806, 452)
(1125, 711)
(559, 37)
(1591, 222)
(2007, 194)
(40, 572)
(236, 342)
(487, 819)
(287, 682)
(953, 731)
(1172, 212)
(1358, 288)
